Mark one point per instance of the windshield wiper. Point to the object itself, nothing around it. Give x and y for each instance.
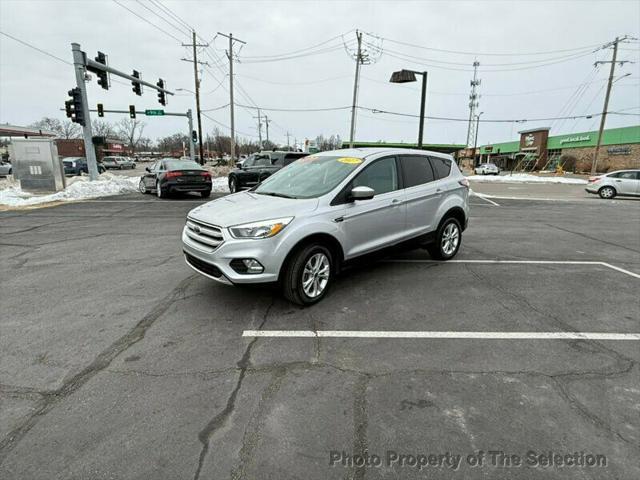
(275, 194)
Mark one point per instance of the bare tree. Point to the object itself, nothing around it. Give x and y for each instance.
(102, 128)
(70, 130)
(130, 131)
(66, 129)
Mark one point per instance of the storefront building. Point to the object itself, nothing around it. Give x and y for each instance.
(537, 150)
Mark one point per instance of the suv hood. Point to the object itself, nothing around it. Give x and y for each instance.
(246, 207)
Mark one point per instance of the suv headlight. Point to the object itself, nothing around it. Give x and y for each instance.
(265, 229)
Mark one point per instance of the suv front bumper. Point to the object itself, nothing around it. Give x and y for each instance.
(215, 263)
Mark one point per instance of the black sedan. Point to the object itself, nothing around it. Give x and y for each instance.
(170, 175)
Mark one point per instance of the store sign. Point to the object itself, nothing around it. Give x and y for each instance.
(116, 146)
(529, 140)
(579, 138)
(619, 150)
(488, 148)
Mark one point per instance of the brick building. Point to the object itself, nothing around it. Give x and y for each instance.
(537, 150)
(104, 147)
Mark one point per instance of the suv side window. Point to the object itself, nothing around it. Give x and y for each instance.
(264, 161)
(442, 167)
(381, 175)
(277, 160)
(416, 170)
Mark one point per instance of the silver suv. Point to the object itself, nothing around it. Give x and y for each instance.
(303, 223)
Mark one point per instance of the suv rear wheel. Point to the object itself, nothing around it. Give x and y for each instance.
(233, 185)
(308, 275)
(448, 240)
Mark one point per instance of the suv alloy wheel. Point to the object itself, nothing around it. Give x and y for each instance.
(448, 240)
(308, 275)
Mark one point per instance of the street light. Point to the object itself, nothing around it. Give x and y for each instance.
(475, 142)
(406, 76)
(185, 90)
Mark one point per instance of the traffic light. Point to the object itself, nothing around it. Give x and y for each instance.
(103, 77)
(73, 107)
(161, 95)
(132, 111)
(137, 87)
(100, 110)
(194, 136)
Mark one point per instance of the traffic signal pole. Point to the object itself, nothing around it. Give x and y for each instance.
(79, 59)
(81, 64)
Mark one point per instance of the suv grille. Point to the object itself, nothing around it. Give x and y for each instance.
(203, 266)
(208, 236)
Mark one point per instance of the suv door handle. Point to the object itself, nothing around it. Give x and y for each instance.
(395, 201)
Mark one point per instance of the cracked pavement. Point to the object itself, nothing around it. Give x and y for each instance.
(118, 362)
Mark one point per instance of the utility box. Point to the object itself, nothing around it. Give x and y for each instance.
(36, 165)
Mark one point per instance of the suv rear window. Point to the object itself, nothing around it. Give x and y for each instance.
(416, 170)
(441, 167)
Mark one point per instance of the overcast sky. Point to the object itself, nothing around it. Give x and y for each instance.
(33, 85)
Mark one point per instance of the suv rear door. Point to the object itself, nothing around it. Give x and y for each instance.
(380, 221)
(421, 192)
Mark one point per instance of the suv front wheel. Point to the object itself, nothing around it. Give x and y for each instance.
(308, 274)
(448, 240)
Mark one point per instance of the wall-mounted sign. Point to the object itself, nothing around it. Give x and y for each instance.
(619, 150)
(579, 138)
(488, 148)
(529, 140)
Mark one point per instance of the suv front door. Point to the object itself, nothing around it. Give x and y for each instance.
(379, 222)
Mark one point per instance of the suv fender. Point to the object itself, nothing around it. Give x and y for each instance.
(327, 239)
(453, 208)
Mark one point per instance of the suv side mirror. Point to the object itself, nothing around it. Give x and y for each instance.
(362, 193)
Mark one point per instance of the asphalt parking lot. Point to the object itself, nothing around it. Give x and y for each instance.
(118, 362)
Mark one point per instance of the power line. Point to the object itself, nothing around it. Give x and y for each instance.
(312, 47)
(327, 109)
(459, 52)
(150, 23)
(35, 48)
(172, 14)
(228, 127)
(179, 29)
(294, 57)
(296, 83)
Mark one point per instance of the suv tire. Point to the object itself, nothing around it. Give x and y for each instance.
(233, 185)
(308, 274)
(206, 194)
(607, 192)
(160, 192)
(448, 240)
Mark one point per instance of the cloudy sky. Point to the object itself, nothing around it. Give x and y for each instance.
(298, 56)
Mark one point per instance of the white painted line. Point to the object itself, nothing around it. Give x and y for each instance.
(445, 335)
(480, 195)
(522, 262)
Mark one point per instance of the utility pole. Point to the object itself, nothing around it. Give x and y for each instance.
(473, 105)
(231, 105)
(197, 82)
(603, 118)
(259, 129)
(266, 124)
(288, 135)
(354, 104)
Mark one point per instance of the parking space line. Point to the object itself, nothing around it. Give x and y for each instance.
(445, 335)
(522, 262)
(481, 196)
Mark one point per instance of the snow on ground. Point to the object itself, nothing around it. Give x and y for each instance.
(525, 178)
(80, 188)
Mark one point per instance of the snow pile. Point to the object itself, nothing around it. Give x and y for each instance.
(525, 178)
(220, 184)
(78, 188)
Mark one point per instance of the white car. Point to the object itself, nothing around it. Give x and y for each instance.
(486, 169)
(620, 182)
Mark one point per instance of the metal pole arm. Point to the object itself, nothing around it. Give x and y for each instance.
(93, 65)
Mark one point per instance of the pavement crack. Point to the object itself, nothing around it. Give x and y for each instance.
(584, 235)
(100, 363)
(360, 423)
(221, 418)
(251, 434)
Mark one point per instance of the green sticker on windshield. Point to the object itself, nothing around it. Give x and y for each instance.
(350, 160)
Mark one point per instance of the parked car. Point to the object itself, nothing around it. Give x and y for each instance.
(487, 169)
(5, 169)
(258, 167)
(620, 182)
(170, 175)
(78, 166)
(306, 221)
(119, 163)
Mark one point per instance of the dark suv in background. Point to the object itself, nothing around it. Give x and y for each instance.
(78, 166)
(260, 166)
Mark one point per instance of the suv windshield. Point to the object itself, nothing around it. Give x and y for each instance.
(309, 177)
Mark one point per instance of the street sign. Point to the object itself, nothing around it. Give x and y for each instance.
(154, 113)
